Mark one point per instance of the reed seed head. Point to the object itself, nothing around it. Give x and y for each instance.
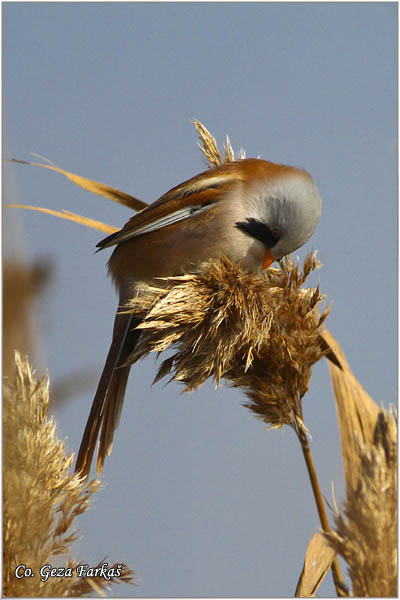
(41, 496)
(366, 529)
(257, 332)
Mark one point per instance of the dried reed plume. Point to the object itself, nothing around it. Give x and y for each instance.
(259, 333)
(41, 498)
(22, 285)
(366, 530)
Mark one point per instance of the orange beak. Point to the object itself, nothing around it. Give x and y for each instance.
(268, 259)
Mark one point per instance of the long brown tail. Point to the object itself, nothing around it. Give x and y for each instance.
(109, 397)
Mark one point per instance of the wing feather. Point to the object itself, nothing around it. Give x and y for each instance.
(181, 202)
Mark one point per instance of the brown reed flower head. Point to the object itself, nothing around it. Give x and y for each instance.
(366, 531)
(41, 496)
(259, 333)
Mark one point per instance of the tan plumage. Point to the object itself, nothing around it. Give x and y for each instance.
(251, 211)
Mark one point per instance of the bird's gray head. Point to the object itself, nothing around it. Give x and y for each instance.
(288, 213)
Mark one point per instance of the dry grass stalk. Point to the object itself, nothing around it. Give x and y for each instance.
(41, 498)
(366, 530)
(258, 333)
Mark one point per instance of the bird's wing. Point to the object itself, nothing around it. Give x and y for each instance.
(181, 202)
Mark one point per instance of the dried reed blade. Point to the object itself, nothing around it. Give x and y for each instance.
(317, 562)
(356, 411)
(70, 216)
(100, 189)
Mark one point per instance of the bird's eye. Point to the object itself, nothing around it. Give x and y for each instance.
(259, 231)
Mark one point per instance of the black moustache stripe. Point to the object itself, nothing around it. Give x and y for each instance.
(259, 231)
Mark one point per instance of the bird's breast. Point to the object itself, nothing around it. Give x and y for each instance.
(184, 246)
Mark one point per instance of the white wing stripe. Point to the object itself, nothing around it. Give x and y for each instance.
(178, 215)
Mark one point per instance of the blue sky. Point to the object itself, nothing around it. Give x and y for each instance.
(198, 497)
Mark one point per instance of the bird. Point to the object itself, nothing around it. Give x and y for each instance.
(250, 210)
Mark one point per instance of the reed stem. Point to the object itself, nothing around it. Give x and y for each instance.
(336, 572)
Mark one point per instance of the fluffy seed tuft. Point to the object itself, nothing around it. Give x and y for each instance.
(257, 332)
